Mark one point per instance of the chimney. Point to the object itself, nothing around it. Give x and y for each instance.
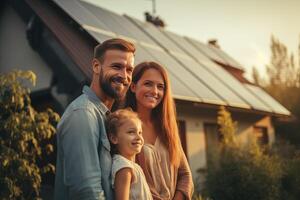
(155, 20)
(214, 43)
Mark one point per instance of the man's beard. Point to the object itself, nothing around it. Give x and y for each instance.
(105, 84)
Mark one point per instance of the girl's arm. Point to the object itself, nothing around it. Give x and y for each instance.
(122, 184)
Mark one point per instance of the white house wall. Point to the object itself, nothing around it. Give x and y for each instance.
(195, 134)
(15, 52)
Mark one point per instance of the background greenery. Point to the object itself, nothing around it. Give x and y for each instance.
(251, 171)
(24, 137)
(282, 81)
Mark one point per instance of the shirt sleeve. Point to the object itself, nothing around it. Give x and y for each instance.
(119, 163)
(184, 180)
(82, 171)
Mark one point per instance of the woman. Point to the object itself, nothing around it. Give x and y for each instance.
(162, 159)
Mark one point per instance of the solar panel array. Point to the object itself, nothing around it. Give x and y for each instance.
(193, 74)
(218, 72)
(230, 61)
(265, 97)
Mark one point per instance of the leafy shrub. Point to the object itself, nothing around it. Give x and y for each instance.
(242, 172)
(291, 166)
(24, 133)
(291, 179)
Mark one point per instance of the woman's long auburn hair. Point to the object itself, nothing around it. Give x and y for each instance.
(164, 113)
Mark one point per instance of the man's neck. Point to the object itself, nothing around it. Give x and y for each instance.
(106, 100)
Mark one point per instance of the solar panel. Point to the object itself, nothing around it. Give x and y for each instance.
(121, 25)
(206, 50)
(197, 71)
(133, 29)
(156, 35)
(218, 72)
(238, 87)
(100, 37)
(180, 91)
(213, 83)
(189, 62)
(226, 57)
(105, 16)
(265, 97)
(185, 77)
(186, 46)
(81, 15)
(142, 55)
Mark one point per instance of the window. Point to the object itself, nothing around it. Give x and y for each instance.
(261, 134)
(182, 135)
(212, 139)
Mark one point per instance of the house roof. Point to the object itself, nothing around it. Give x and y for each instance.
(192, 66)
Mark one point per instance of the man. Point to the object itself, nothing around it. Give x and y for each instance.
(83, 151)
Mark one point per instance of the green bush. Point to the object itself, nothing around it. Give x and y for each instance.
(291, 179)
(242, 171)
(291, 167)
(24, 136)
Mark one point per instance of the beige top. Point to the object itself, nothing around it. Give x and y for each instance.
(162, 177)
(139, 189)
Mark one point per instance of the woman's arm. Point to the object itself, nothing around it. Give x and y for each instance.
(185, 185)
(122, 184)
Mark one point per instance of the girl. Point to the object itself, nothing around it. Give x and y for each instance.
(162, 159)
(124, 130)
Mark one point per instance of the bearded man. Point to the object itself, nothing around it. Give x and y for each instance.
(84, 161)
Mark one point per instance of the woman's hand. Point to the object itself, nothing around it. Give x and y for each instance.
(178, 195)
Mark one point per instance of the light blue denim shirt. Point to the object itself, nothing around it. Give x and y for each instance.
(83, 168)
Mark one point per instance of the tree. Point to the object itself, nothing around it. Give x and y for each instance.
(228, 128)
(24, 136)
(283, 76)
(256, 77)
(283, 83)
(282, 69)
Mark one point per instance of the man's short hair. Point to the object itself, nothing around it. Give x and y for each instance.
(115, 43)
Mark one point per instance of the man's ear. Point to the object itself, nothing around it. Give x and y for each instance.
(96, 66)
(133, 87)
(112, 138)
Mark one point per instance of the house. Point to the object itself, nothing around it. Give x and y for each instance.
(55, 39)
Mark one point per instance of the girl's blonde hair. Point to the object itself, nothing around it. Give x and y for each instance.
(115, 119)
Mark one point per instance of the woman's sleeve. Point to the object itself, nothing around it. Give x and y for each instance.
(184, 178)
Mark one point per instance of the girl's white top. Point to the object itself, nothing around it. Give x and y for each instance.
(139, 189)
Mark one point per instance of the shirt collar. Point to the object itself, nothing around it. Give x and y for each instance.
(93, 97)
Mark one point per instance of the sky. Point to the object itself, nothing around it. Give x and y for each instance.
(243, 28)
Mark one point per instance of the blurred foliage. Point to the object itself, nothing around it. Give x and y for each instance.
(24, 136)
(290, 180)
(243, 171)
(283, 74)
(283, 83)
(227, 128)
(199, 197)
(283, 69)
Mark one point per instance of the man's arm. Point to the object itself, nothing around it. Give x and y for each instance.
(82, 171)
